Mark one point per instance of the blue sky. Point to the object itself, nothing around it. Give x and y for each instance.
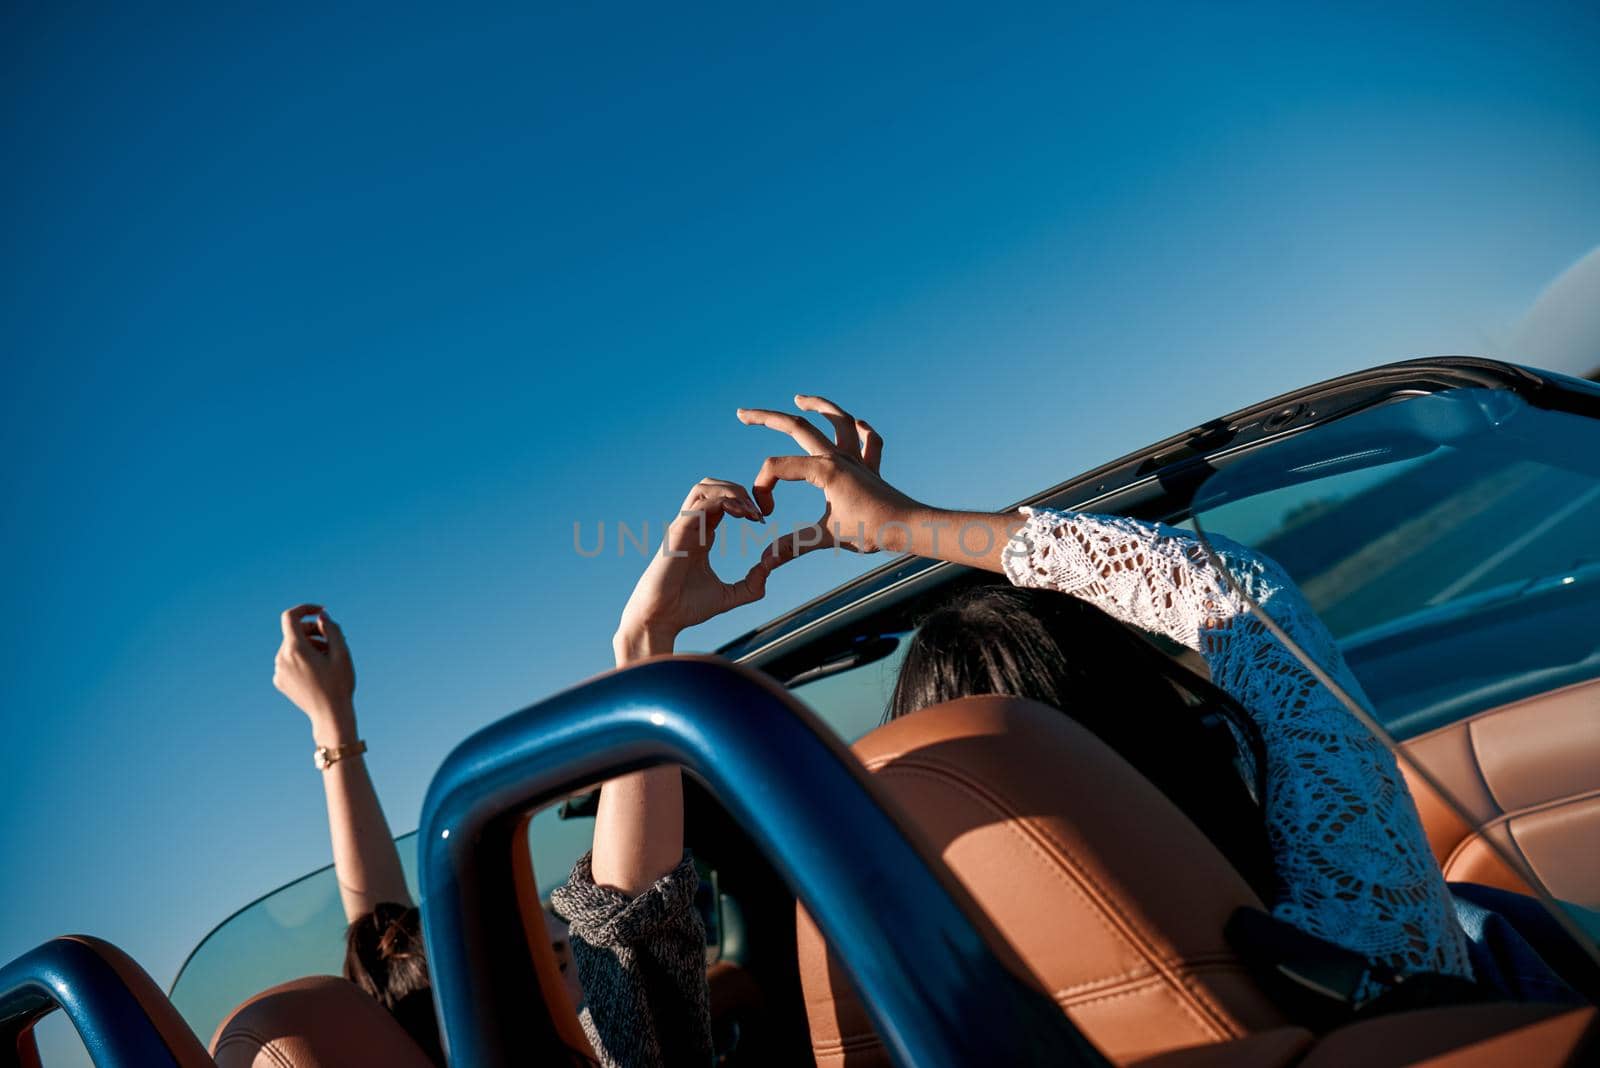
(370, 307)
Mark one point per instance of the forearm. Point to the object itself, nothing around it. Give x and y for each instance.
(365, 859)
(974, 539)
(638, 827)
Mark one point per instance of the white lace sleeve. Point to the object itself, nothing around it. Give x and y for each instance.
(1155, 577)
(1351, 856)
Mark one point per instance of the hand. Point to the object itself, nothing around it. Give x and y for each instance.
(863, 513)
(679, 588)
(313, 669)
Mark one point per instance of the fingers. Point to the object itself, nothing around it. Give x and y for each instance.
(777, 469)
(844, 424)
(311, 630)
(752, 587)
(852, 434)
(737, 499)
(805, 435)
(291, 621)
(334, 634)
(702, 513)
(780, 552)
(696, 524)
(871, 445)
(793, 545)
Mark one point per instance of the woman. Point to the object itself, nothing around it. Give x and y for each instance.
(637, 939)
(1352, 863)
(383, 942)
(1068, 654)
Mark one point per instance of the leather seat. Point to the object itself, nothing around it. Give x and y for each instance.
(318, 1022)
(1112, 897)
(1528, 774)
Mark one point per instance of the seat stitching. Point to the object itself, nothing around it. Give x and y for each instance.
(262, 1043)
(1106, 981)
(1505, 819)
(1135, 934)
(1153, 986)
(1478, 771)
(1171, 967)
(1154, 983)
(1506, 816)
(856, 1041)
(1030, 832)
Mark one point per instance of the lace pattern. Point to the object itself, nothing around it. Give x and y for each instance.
(1354, 866)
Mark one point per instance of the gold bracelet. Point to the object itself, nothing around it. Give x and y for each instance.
(326, 757)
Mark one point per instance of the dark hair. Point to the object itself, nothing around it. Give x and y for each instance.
(1067, 653)
(383, 955)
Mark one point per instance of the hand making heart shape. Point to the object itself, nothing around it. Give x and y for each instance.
(863, 513)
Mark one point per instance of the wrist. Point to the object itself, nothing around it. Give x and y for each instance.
(636, 641)
(335, 726)
(898, 528)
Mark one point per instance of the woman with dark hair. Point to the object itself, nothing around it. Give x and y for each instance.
(1352, 864)
(384, 957)
(1066, 653)
(383, 943)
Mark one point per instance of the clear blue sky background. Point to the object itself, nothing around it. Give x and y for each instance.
(371, 307)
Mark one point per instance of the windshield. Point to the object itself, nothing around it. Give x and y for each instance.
(298, 929)
(1448, 543)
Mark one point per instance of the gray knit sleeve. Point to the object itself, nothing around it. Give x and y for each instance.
(642, 963)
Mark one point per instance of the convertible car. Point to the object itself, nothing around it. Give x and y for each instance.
(985, 882)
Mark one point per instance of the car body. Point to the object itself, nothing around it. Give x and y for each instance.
(1478, 658)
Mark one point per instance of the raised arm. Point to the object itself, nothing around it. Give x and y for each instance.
(638, 831)
(314, 670)
(636, 936)
(1152, 576)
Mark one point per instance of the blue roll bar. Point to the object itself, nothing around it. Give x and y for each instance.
(109, 999)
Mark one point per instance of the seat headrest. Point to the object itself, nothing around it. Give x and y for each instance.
(320, 1021)
(1112, 898)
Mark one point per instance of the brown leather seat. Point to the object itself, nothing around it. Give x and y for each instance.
(1111, 896)
(1528, 774)
(317, 1022)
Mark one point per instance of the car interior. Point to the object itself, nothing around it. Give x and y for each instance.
(1115, 902)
